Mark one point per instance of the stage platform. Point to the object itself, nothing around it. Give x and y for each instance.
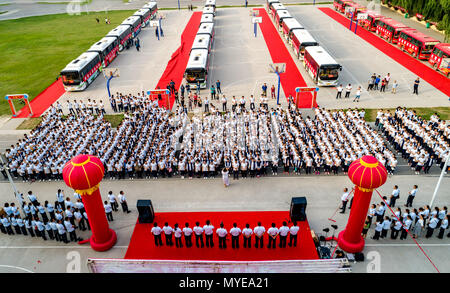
(142, 245)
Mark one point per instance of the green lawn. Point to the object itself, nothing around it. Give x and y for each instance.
(35, 49)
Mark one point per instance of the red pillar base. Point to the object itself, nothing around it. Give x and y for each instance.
(350, 247)
(105, 245)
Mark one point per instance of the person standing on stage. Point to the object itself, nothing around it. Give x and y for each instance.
(222, 234)
(259, 235)
(177, 233)
(283, 231)
(209, 233)
(273, 233)
(198, 231)
(168, 234)
(235, 233)
(156, 231)
(247, 233)
(187, 235)
(293, 232)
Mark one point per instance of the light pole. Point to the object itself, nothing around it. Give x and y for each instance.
(440, 179)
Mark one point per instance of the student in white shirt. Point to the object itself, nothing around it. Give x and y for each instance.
(443, 227)
(344, 199)
(177, 233)
(293, 232)
(283, 231)
(62, 232)
(386, 226)
(411, 196)
(222, 234)
(273, 233)
(187, 235)
(209, 233)
(156, 231)
(378, 229)
(123, 202)
(113, 201)
(394, 196)
(198, 231)
(168, 234)
(431, 226)
(108, 211)
(247, 234)
(406, 226)
(235, 233)
(259, 235)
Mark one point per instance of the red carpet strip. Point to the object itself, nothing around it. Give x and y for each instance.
(428, 74)
(177, 64)
(43, 101)
(142, 244)
(280, 54)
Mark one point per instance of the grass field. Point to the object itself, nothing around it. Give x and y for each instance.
(35, 49)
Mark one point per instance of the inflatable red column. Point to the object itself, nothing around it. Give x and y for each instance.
(367, 174)
(84, 173)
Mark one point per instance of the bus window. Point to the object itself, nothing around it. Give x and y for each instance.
(71, 78)
(195, 74)
(328, 73)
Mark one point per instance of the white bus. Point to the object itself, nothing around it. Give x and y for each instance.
(145, 15)
(206, 29)
(281, 15)
(270, 3)
(321, 66)
(299, 40)
(153, 8)
(207, 18)
(197, 68)
(211, 3)
(108, 48)
(209, 10)
(276, 6)
(81, 72)
(202, 42)
(123, 33)
(288, 25)
(135, 23)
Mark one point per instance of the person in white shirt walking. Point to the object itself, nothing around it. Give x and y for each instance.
(259, 235)
(283, 231)
(247, 233)
(108, 211)
(358, 94)
(293, 232)
(348, 90)
(113, 201)
(209, 233)
(187, 235)
(156, 231)
(177, 233)
(168, 234)
(273, 233)
(222, 234)
(123, 202)
(198, 231)
(235, 233)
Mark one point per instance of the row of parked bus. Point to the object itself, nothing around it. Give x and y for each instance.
(319, 64)
(82, 71)
(196, 73)
(409, 40)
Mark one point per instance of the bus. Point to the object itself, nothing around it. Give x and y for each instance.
(270, 3)
(202, 41)
(108, 48)
(145, 15)
(197, 68)
(352, 9)
(339, 5)
(81, 72)
(153, 6)
(209, 10)
(206, 18)
(280, 15)
(371, 22)
(289, 25)
(299, 40)
(440, 58)
(390, 29)
(275, 7)
(206, 29)
(123, 33)
(211, 3)
(321, 66)
(135, 23)
(417, 44)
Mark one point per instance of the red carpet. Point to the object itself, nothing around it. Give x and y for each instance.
(142, 244)
(280, 54)
(428, 74)
(43, 101)
(177, 64)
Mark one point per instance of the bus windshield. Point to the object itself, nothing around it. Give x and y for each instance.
(429, 46)
(193, 75)
(329, 73)
(71, 78)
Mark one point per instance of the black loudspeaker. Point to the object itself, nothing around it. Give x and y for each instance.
(145, 209)
(298, 209)
(359, 256)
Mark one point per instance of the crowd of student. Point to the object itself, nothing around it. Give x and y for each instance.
(53, 220)
(422, 143)
(207, 232)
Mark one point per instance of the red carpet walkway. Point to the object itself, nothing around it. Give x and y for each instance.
(177, 64)
(142, 244)
(280, 54)
(428, 74)
(43, 101)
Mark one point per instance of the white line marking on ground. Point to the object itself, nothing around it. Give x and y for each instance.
(15, 267)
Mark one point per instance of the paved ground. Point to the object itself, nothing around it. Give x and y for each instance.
(264, 194)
